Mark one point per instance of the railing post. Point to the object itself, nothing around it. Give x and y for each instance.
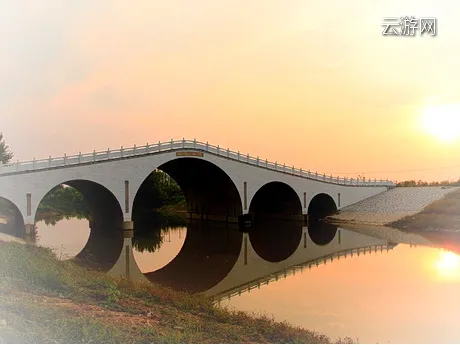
(207, 146)
(33, 164)
(194, 143)
(108, 152)
(292, 170)
(134, 149)
(49, 161)
(94, 155)
(266, 162)
(238, 155)
(159, 145)
(257, 160)
(228, 153)
(218, 150)
(284, 167)
(276, 165)
(147, 146)
(247, 158)
(183, 142)
(172, 143)
(121, 152)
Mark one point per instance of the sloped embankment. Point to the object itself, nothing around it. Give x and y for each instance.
(394, 205)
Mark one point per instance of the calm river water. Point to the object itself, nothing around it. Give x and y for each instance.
(390, 292)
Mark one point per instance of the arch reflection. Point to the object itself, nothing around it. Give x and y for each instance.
(275, 241)
(206, 258)
(321, 233)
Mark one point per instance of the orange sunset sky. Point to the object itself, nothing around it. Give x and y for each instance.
(309, 83)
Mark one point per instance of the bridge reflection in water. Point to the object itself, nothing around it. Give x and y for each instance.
(220, 262)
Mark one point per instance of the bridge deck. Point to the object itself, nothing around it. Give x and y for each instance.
(177, 145)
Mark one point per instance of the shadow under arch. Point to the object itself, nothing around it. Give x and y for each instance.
(209, 191)
(321, 233)
(275, 241)
(276, 200)
(105, 217)
(206, 258)
(15, 225)
(321, 205)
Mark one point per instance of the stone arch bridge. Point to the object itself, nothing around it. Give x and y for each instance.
(219, 184)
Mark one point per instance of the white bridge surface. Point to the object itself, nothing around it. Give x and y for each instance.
(123, 170)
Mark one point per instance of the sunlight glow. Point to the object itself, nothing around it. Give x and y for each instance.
(442, 121)
(448, 264)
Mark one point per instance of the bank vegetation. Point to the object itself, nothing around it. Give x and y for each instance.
(44, 300)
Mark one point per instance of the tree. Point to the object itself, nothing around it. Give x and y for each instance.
(5, 153)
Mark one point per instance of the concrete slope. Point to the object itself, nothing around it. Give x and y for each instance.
(391, 205)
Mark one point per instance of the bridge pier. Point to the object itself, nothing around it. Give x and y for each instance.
(29, 229)
(126, 266)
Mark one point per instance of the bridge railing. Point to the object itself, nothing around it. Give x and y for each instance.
(174, 145)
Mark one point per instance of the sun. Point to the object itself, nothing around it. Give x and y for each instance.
(442, 121)
(448, 264)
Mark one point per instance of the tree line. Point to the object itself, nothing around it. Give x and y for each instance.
(420, 183)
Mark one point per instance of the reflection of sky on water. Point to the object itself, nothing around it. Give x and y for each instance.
(405, 295)
(173, 240)
(67, 238)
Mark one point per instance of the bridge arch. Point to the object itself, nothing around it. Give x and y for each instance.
(209, 191)
(320, 206)
(277, 200)
(105, 219)
(14, 218)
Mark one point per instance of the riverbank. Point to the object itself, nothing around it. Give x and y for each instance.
(49, 301)
(440, 215)
(387, 208)
(435, 223)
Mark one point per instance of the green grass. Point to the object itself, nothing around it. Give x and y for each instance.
(44, 300)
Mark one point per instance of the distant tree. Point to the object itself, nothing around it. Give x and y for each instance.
(421, 183)
(5, 154)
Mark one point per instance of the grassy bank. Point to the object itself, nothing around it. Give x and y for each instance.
(441, 215)
(46, 300)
